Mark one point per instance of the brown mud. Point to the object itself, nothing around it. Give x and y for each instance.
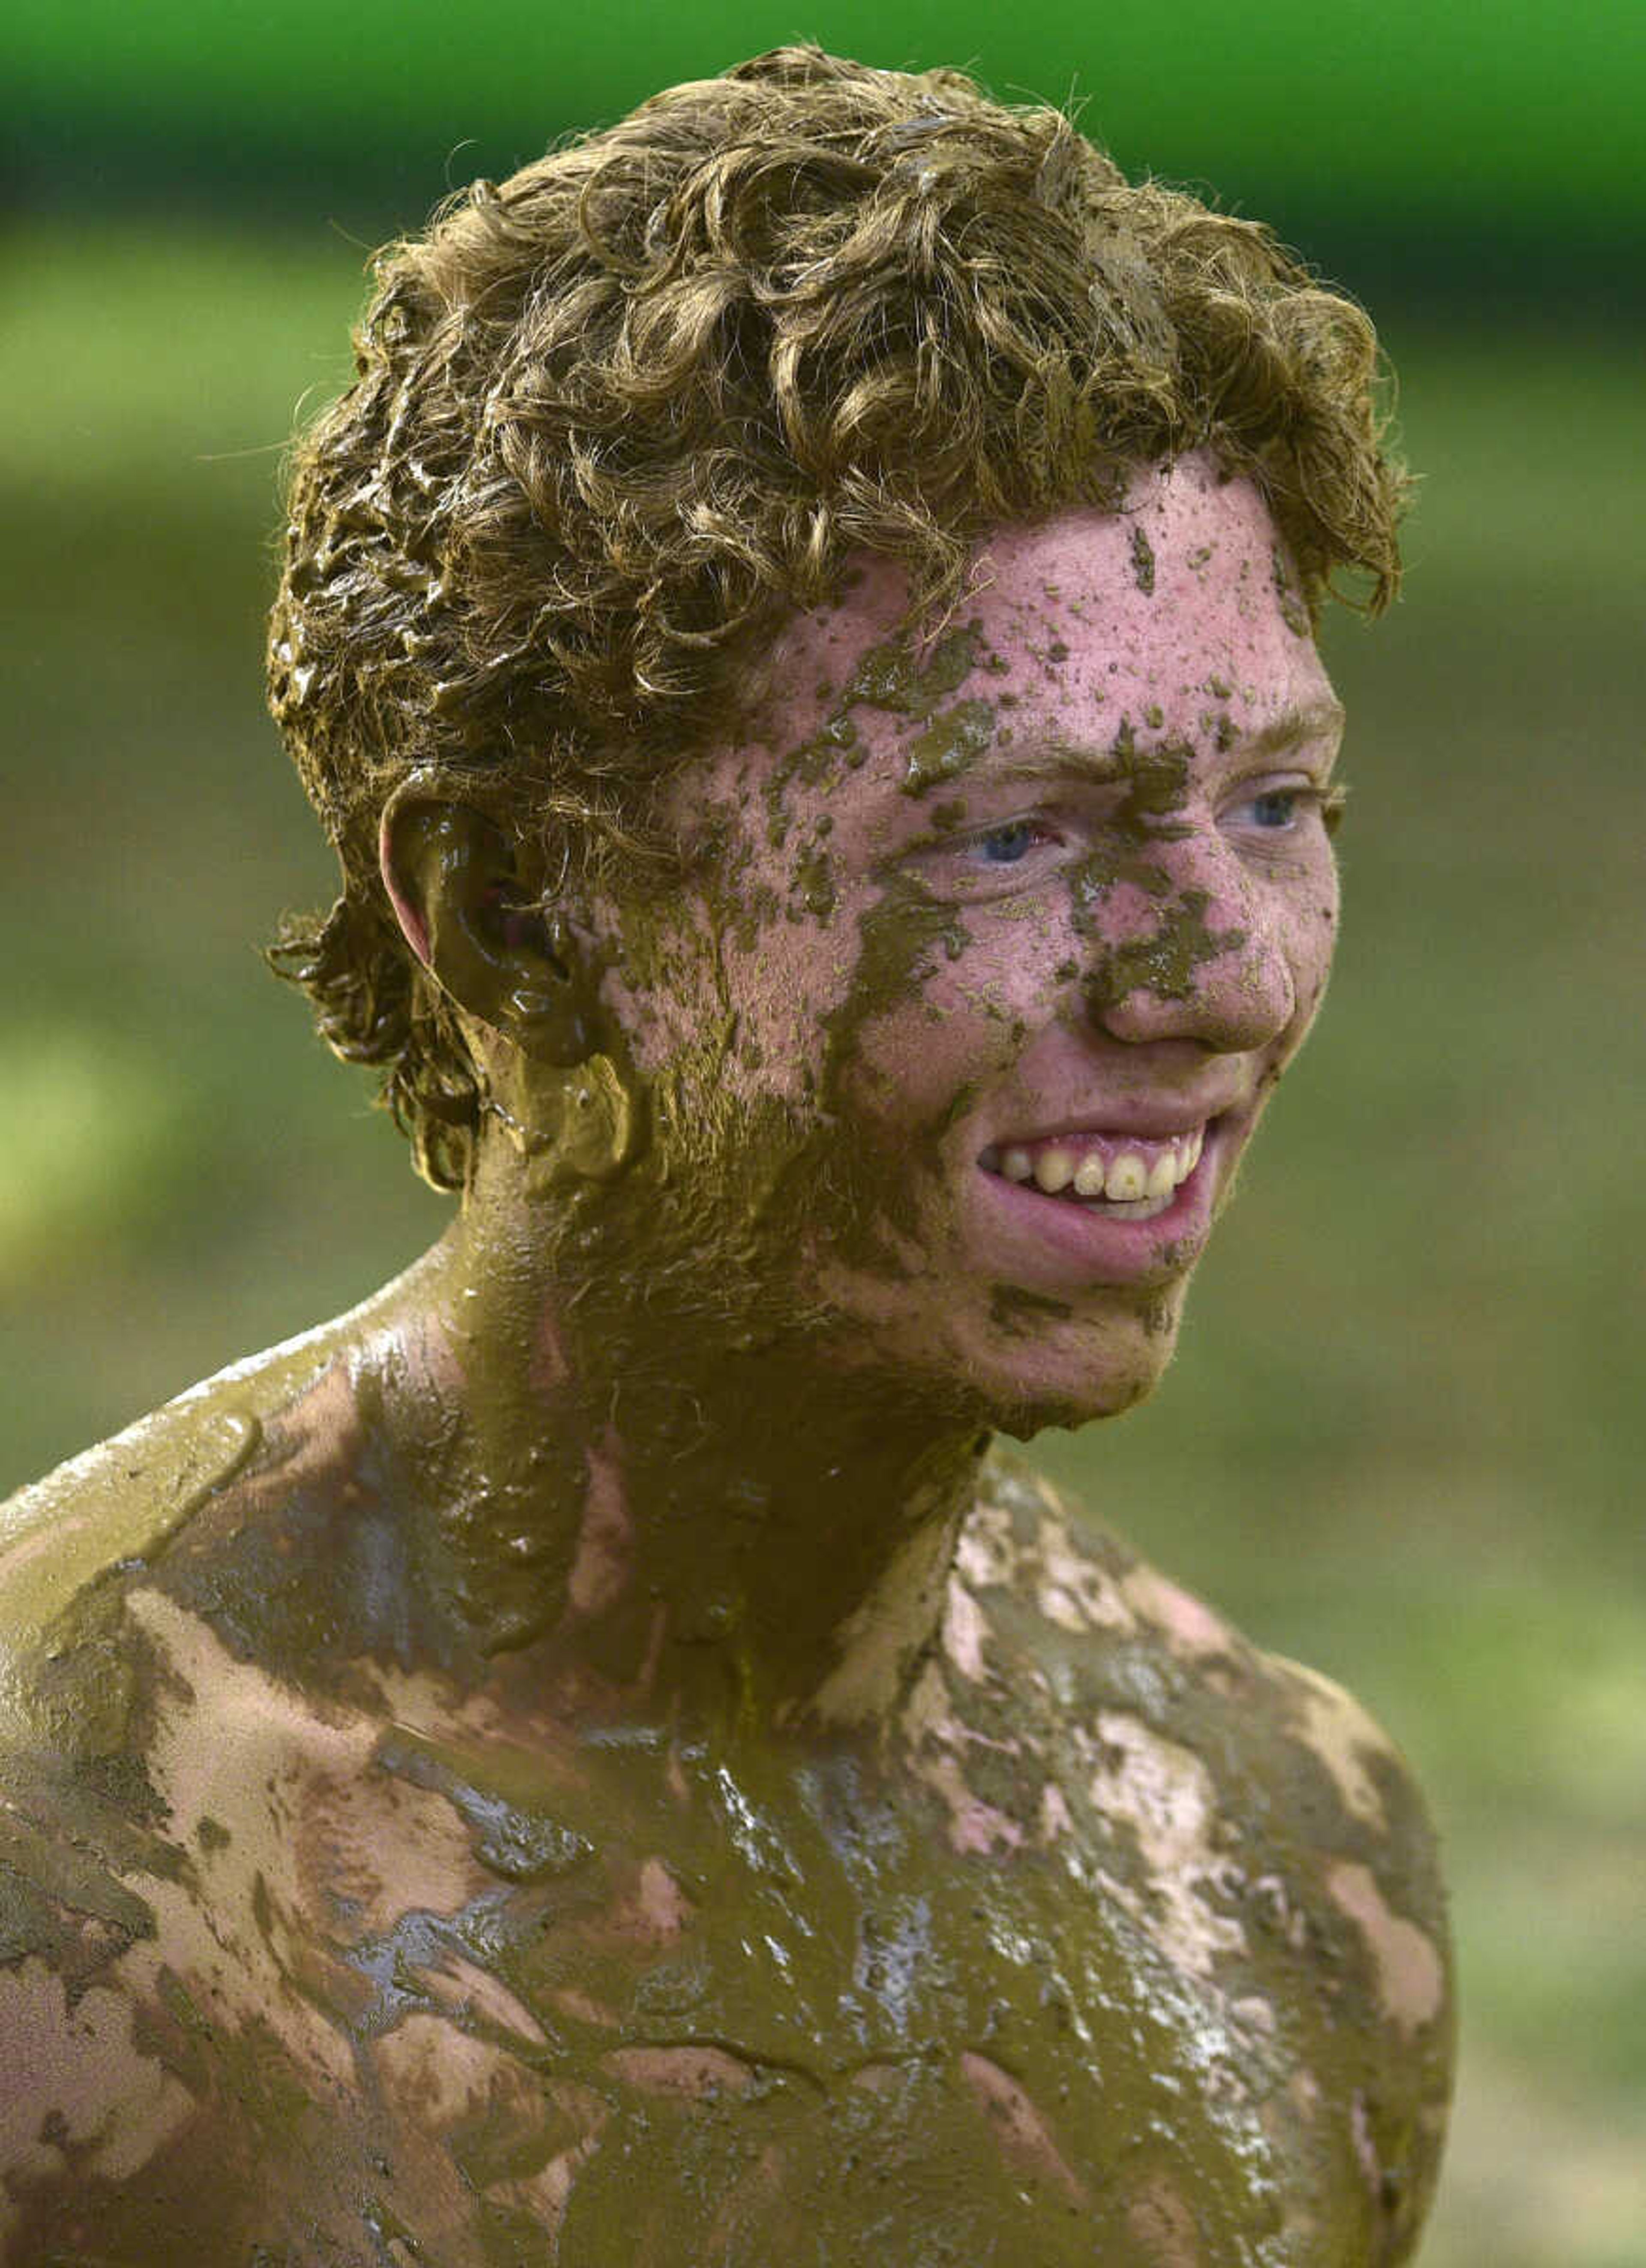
(531, 1989)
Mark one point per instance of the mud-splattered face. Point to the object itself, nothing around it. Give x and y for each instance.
(1014, 930)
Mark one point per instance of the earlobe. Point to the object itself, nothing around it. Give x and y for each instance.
(456, 886)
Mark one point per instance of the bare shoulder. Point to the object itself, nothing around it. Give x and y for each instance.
(81, 1833)
(67, 1542)
(1039, 1569)
(82, 1676)
(1247, 1814)
(112, 2101)
(73, 1543)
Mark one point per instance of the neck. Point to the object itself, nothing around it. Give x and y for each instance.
(643, 1506)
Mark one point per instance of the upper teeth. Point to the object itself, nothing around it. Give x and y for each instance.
(1101, 1165)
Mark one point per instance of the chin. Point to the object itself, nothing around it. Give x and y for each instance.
(1046, 1375)
(1048, 1411)
(1014, 1360)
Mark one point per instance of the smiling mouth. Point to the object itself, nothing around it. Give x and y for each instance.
(1120, 1176)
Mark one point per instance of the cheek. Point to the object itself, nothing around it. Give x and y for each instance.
(1311, 943)
(962, 1016)
(733, 989)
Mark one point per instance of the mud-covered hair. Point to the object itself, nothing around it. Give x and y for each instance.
(616, 418)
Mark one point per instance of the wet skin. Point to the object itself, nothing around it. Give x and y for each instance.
(589, 1759)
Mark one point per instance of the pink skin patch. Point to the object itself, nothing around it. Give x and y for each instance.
(552, 1368)
(1410, 1977)
(604, 1566)
(965, 1632)
(1160, 2221)
(698, 2072)
(1190, 1625)
(1023, 2137)
(470, 1992)
(1096, 694)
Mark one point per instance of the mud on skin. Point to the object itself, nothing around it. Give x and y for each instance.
(1063, 1946)
(591, 1758)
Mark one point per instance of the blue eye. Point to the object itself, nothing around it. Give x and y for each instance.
(1004, 846)
(1277, 806)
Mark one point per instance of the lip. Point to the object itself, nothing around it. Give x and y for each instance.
(1039, 1239)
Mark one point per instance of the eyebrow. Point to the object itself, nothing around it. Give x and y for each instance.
(1295, 728)
(1046, 757)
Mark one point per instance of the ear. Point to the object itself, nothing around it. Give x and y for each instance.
(467, 911)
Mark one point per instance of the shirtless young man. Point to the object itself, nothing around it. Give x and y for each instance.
(802, 637)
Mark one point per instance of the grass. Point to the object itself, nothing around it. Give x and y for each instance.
(1404, 1436)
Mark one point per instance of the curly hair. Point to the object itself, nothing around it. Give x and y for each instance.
(613, 420)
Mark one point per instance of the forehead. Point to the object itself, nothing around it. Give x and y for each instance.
(1086, 624)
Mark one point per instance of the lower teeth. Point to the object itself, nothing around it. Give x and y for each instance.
(1135, 1209)
(1110, 1208)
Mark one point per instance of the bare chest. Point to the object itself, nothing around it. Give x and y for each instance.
(654, 2007)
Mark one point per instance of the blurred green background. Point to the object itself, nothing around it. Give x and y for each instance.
(1404, 1434)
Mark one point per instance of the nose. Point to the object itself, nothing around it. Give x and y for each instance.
(1207, 961)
